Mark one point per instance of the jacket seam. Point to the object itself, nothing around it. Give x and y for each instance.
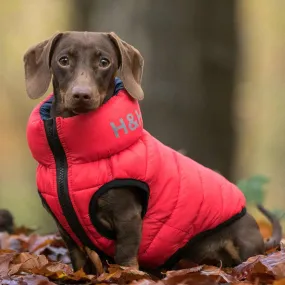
(146, 163)
(203, 198)
(167, 225)
(222, 196)
(178, 195)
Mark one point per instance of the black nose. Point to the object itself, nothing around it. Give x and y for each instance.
(80, 93)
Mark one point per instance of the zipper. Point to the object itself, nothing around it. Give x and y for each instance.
(62, 182)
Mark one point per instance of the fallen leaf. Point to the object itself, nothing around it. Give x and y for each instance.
(14, 269)
(59, 268)
(200, 274)
(44, 260)
(26, 280)
(122, 275)
(24, 230)
(6, 257)
(190, 279)
(183, 271)
(30, 262)
(279, 282)
(146, 282)
(42, 245)
(4, 240)
(94, 257)
(215, 271)
(243, 283)
(266, 268)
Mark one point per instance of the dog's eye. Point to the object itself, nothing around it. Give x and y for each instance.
(64, 61)
(104, 62)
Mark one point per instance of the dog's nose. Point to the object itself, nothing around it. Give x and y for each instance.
(81, 93)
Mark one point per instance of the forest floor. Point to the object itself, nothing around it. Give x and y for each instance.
(27, 258)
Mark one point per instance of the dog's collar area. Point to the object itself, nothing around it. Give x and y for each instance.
(46, 107)
(89, 137)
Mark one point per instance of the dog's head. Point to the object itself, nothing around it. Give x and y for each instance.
(83, 66)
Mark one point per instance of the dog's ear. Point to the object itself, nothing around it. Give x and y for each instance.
(37, 67)
(131, 66)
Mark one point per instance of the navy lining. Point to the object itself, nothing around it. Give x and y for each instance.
(45, 109)
(46, 106)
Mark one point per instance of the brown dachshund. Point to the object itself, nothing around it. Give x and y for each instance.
(82, 67)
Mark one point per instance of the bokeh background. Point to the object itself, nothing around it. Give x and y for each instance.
(213, 80)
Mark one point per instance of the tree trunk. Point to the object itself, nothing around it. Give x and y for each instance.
(190, 59)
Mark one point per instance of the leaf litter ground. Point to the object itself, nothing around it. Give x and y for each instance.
(27, 258)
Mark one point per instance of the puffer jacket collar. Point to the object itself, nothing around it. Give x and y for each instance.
(99, 134)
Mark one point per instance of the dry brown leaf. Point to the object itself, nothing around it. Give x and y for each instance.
(146, 282)
(4, 240)
(279, 282)
(30, 262)
(190, 279)
(215, 271)
(32, 267)
(184, 271)
(79, 276)
(26, 280)
(122, 275)
(37, 242)
(266, 268)
(57, 267)
(14, 269)
(94, 257)
(199, 274)
(44, 244)
(6, 256)
(50, 245)
(23, 230)
(243, 283)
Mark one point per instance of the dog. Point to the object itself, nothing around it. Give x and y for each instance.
(84, 68)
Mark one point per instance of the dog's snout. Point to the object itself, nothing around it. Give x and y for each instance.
(80, 93)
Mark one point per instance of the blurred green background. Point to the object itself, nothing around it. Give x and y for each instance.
(213, 80)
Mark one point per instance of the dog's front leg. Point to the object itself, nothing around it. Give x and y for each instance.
(120, 210)
(128, 237)
(78, 257)
(127, 223)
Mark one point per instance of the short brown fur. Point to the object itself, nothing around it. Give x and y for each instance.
(82, 66)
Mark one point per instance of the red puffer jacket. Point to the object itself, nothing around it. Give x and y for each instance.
(83, 156)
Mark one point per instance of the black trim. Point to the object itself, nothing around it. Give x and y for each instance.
(174, 259)
(62, 186)
(47, 207)
(117, 183)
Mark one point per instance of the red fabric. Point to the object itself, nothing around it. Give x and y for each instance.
(186, 198)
